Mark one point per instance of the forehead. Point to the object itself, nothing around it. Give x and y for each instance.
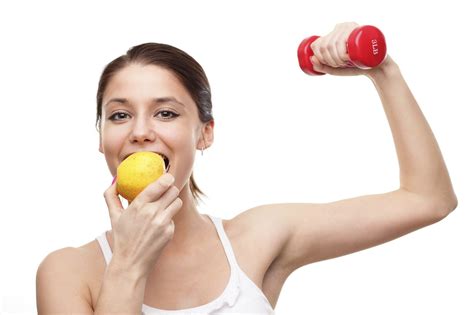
(140, 83)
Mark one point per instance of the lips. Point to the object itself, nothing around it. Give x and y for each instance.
(165, 158)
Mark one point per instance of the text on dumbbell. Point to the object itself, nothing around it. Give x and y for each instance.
(375, 49)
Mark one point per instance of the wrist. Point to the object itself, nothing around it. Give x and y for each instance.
(117, 268)
(384, 71)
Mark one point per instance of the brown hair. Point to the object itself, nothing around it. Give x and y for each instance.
(186, 69)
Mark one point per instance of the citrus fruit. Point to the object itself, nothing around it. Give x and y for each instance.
(137, 171)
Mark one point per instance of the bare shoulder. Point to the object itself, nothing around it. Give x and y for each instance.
(75, 260)
(62, 280)
(61, 262)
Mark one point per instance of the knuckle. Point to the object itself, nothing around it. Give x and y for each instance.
(159, 222)
(162, 186)
(107, 192)
(170, 230)
(175, 190)
(166, 232)
(318, 61)
(136, 204)
(351, 25)
(176, 204)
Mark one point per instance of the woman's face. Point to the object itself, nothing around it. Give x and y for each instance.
(146, 108)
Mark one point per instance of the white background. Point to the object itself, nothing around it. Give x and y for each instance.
(280, 136)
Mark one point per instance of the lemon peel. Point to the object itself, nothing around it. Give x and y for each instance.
(137, 171)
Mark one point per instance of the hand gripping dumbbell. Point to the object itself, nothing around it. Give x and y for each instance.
(366, 48)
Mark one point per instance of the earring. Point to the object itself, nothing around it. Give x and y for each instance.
(203, 147)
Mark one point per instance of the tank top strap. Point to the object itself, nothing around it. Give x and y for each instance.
(104, 245)
(232, 291)
(225, 242)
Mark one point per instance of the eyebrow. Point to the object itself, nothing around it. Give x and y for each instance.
(158, 100)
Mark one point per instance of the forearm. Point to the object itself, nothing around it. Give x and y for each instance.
(422, 168)
(122, 292)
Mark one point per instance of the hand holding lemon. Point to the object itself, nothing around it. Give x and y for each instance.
(138, 171)
(141, 230)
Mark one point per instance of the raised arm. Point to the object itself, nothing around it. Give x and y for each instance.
(422, 168)
(311, 232)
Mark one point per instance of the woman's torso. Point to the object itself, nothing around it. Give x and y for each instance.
(181, 282)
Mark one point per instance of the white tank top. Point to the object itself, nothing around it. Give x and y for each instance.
(241, 295)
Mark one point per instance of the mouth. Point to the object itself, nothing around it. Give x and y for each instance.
(165, 159)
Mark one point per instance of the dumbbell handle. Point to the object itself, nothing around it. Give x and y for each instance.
(366, 48)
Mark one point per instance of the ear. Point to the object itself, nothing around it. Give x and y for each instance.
(207, 135)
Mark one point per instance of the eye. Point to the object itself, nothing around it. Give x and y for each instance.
(167, 114)
(118, 116)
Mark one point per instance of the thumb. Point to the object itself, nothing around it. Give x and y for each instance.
(113, 203)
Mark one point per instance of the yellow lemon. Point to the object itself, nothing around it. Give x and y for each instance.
(137, 171)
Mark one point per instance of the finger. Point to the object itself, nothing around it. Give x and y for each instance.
(326, 52)
(172, 210)
(319, 67)
(342, 32)
(329, 50)
(155, 190)
(344, 36)
(341, 47)
(335, 56)
(113, 203)
(315, 46)
(339, 51)
(166, 199)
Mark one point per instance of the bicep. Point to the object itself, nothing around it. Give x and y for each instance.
(328, 230)
(59, 286)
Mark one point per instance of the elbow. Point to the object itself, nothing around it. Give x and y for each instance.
(441, 209)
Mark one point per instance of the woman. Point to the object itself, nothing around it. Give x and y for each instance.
(169, 258)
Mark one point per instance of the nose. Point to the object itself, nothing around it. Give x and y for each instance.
(142, 131)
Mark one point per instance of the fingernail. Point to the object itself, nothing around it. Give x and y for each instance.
(115, 178)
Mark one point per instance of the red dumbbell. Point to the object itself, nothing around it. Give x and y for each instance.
(366, 48)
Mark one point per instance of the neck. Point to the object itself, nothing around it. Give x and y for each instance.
(188, 221)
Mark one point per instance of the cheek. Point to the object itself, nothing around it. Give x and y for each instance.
(112, 142)
(181, 140)
(183, 146)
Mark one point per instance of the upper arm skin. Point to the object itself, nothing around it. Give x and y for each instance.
(316, 232)
(60, 285)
